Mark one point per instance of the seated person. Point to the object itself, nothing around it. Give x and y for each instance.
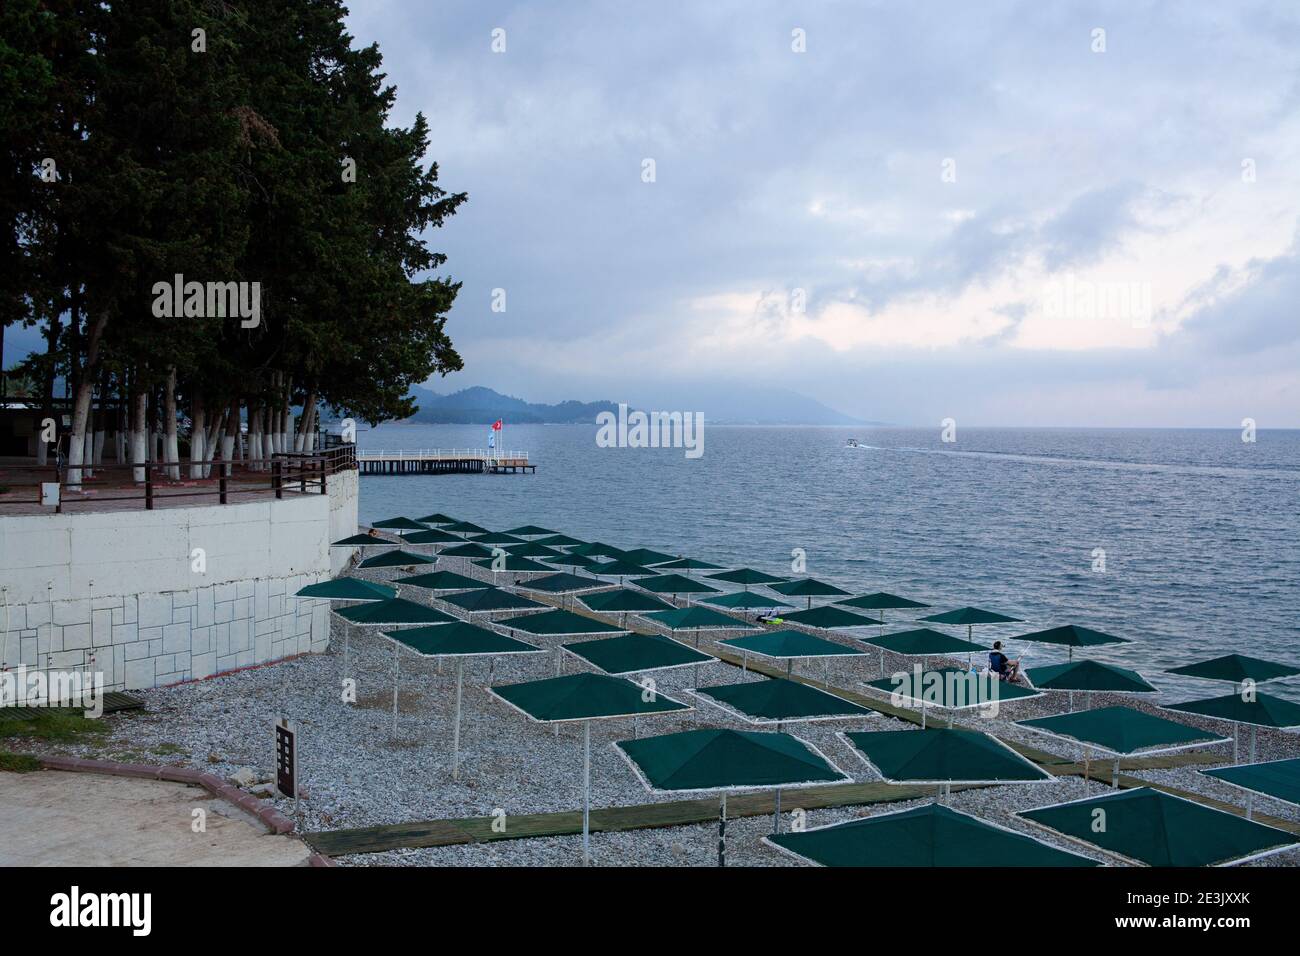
(1001, 665)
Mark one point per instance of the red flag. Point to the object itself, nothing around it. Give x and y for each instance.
(496, 425)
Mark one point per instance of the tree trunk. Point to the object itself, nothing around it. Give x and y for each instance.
(198, 435)
(81, 402)
(139, 432)
(172, 448)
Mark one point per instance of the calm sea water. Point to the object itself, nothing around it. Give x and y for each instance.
(1201, 530)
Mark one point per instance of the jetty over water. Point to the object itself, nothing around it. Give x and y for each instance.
(444, 461)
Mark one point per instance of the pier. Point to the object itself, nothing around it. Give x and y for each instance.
(444, 461)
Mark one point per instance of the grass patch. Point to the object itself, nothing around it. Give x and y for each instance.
(166, 749)
(53, 724)
(18, 763)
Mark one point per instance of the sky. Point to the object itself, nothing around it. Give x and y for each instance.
(908, 211)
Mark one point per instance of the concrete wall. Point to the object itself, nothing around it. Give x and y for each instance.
(127, 586)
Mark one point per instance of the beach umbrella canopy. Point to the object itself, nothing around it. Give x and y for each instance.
(746, 576)
(583, 697)
(806, 587)
(1264, 711)
(725, 761)
(1123, 730)
(393, 613)
(433, 536)
(950, 688)
(559, 541)
(634, 653)
(362, 540)
(559, 623)
(468, 550)
(789, 645)
(825, 616)
(507, 563)
(618, 568)
(881, 601)
(1160, 829)
(399, 525)
(530, 549)
(1236, 668)
(465, 527)
(490, 599)
(347, 589)
(778, 701)
(674, 584)
(459, 640)
(597, 549)
(530, 530)
(922, 642)
(495, 537)
(688, 564)
(564, 583)
(397, 558)
(437, 518)
(624, 600)
(573, 561)
(443, 581)
(647, 556)
(1279, 779)
(1089, 676)
(927, 836)
(939, 756)
(968, 616)
(1071, 636)
(697, 618)
(744, 600)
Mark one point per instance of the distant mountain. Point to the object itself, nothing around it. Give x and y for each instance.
(748, 406)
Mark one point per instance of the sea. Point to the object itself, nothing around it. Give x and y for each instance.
(1184, 541)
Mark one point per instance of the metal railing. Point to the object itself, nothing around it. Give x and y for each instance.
(438, 454)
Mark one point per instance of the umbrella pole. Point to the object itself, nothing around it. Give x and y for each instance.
(1114, 779)
(970, 637)
(1087, 764)
(347, 631)
(722, 832)
(1253, 731)
(455, 734)
(923, 713)
(776, 815)
(1236, 735)
(1071, 701)
(559, 666)
(397, 678)
(1250, 806)
(586, 792)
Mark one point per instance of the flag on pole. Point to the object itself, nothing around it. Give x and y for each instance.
(496, 425)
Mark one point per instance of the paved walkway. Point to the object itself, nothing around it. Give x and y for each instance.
(51, 818)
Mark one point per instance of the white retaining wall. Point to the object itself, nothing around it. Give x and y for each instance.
(122, 586)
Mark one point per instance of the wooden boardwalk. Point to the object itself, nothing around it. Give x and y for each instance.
(464, 461)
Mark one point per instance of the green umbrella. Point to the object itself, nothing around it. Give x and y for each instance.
(790, 646)
(490, 599)
(597, 549)
(530, 549)
(776, 700)
(969, 616)
(560, 541)
(564, 583)
(495, 537)
(674, 584)
(943, 757)
(583, 697)
(744, 601)
(617, 568)
(1072, 636)
(881, 601)
(438, 519)
(504, 563)
(809, 588)
(949, 688)
(1279, 779)
(362, 540)
(688, 564)
(635, 653)
(572, 561)
(697, 619)
(433, 536)
(711, 760)
(1089, 676)
(468, 550)
(443, 581)
(400, 525)
(1160, 829)
(825, 616)
(531, 530)
(393, 613)
(927, 836)
(920, 642)
(623, 600)
(458, 640)
(465, 527)
(1236, 669)
(746, 577)
(559, 623)
(1260, 710)
(1121, 731)
(347, 589)
(396, 558)
(646, 556)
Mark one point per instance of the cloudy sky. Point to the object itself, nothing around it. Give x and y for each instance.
(990, 211)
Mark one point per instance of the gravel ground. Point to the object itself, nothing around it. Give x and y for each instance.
(356, 774)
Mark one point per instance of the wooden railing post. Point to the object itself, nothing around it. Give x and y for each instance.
(275, 478)
(148, 486)
(221, 484)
